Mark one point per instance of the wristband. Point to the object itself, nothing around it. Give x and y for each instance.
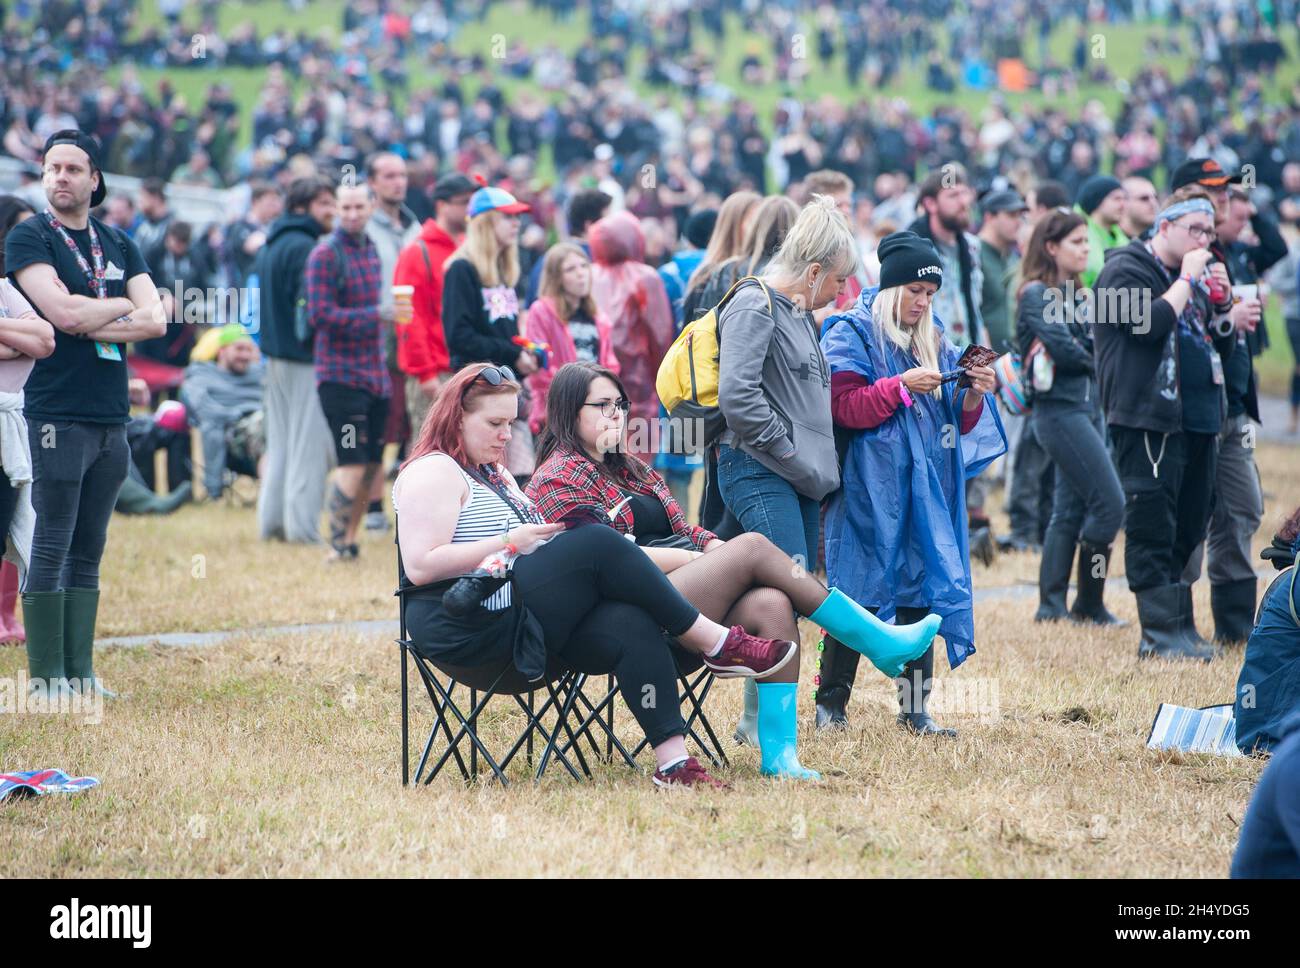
(1189, 280)
(904, 395)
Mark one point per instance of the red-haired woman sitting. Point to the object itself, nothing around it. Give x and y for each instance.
(582, 594)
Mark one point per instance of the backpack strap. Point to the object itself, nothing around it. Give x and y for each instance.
(428, 264)
(767, 293)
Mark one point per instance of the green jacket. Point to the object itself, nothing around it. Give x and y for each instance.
(1099, 240)
(997, 305)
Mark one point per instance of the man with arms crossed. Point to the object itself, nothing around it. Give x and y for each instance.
(91, 283)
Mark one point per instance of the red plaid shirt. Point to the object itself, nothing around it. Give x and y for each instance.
(349, 345)
(568, 480)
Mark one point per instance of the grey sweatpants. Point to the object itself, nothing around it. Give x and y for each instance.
(1238, 508)
(299, 454)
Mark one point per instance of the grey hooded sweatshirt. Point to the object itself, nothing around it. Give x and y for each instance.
(774, 390)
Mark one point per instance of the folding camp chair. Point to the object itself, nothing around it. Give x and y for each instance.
(561, 687)
(695, 685)
(565, 696)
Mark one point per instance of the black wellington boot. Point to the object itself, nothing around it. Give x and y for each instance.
(1233, 605)
(837, 665)
(1161, 616)
(1054, 577)
(1187, 614)
(914, 687)
(1089, 603)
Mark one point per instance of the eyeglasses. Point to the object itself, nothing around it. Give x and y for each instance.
(609, 408)
(1199, 231)
(492, 375)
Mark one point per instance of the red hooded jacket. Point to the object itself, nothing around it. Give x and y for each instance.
(421, 345)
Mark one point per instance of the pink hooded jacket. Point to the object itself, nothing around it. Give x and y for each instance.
(632, 296)
(543, 325)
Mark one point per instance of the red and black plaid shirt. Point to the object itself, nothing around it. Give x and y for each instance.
(349, 346)
(568, 480)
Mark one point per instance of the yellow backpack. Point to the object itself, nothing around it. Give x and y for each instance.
(687, 382)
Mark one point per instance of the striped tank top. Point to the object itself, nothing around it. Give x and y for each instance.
(485, 515)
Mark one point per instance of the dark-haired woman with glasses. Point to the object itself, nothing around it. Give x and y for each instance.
(584, 470)
(582, 595)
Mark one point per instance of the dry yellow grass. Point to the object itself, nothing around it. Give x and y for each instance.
(278, 755)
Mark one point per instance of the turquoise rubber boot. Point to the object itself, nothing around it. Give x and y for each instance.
(777, 733)
(889, 647)
(746, 733)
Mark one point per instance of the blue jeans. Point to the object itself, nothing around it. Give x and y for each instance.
(766, 502)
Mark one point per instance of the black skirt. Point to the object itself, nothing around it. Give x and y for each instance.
(482, 638)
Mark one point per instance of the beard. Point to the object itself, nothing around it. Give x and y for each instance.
(955, 223)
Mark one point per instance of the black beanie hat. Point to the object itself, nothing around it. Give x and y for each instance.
(699, 227)
(906, 257)
(1094, 191)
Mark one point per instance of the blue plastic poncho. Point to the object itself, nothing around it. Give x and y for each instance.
(896, 531)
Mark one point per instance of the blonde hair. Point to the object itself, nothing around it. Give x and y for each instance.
(728, 238)
(922, 340)
(820, 236)
(551, 286)
(497, 265)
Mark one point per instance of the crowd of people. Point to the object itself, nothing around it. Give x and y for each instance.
(888, 348)
(1122, 393)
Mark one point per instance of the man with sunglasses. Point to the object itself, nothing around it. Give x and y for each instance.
(1163, 337)
(1140, 206)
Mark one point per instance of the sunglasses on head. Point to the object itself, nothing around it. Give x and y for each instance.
(493, 376)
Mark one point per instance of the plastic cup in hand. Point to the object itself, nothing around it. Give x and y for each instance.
(402, 297)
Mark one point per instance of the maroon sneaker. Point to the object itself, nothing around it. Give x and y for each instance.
(744, 656)
(688, 773)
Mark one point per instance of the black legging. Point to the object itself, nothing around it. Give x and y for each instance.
(604, 606)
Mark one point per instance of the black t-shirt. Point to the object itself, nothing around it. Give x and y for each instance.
(1201, 395)
(649, 519)
(73, 382)
(586, 339)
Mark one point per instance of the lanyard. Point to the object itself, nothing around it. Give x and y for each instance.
(95, 276)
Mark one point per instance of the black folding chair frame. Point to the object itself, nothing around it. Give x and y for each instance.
(564, 699)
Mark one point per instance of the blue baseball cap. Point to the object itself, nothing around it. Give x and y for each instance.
(489, 199)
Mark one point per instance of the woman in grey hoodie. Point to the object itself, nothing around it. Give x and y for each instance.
(777, 457)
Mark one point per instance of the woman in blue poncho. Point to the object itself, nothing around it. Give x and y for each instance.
(896, 534)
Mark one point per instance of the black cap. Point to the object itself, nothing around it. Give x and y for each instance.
(453, 184)
(90, 145)
(1005, 200)
(1203, 171)
(906, 257)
